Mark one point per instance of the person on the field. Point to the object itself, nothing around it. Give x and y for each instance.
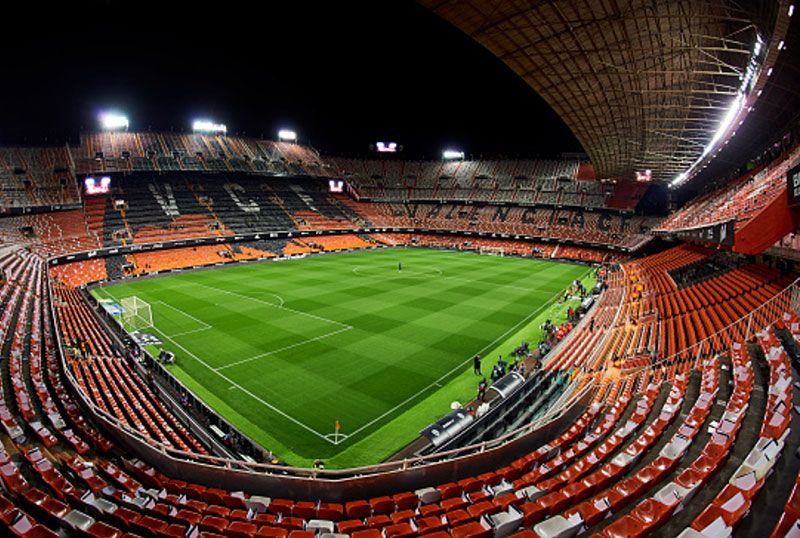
(399, 266)
(501, 365)
(476, 364)
(482, 389)
(496, 374)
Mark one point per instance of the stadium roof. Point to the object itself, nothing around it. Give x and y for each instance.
(643, 84)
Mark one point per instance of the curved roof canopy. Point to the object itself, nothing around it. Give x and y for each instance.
(643, 84)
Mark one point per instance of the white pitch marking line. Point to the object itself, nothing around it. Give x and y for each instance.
(207, 326)
(249, 393)
(184, 333)
(280, 349)
(337, 437)
(299, 312)
(273, 294)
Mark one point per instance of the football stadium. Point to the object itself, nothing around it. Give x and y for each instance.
(301, 334)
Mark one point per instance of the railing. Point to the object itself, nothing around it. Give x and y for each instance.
(743, 328)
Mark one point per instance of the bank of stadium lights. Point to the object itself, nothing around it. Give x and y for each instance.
(386, 147)
(208, 127)
(112, 121)
(791, 10)
(452, 154)
(734, 110)
(287, 135)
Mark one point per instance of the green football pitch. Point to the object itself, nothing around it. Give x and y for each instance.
(285, 349)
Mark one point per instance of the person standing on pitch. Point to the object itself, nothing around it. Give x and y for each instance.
(482, 385)
(399, 266)
(476, 364)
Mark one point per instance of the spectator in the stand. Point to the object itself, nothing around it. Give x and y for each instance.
(151, 382)
(184, 400)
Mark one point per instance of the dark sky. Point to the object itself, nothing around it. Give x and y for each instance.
(342, 73)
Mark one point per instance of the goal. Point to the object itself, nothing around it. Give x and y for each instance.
(492, 251)
(136, 314)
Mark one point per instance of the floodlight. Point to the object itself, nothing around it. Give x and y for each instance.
(791, 10)
(449, 154)
(111, 121)
(287, 135)
(736, 108)
(386, 147)
(208, 126)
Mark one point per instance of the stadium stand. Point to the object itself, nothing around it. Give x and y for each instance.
(686, 359)
(555, 490)
(755, 203)
(573, 225)
(36, 177)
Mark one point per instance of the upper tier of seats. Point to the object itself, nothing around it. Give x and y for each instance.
(31, 177)
(47, 176)
(519, 181)
(576, 225)
(144, 208)
(740, 200)
(112, 152)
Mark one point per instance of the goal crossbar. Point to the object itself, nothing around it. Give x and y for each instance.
(136, 314)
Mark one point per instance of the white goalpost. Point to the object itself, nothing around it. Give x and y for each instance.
(136, 314)
(492, 251)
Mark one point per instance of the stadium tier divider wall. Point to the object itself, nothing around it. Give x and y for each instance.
(213, 240)
(12, 211)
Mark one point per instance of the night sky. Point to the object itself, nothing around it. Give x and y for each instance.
(343, 74)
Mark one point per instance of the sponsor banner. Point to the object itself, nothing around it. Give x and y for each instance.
(721, 233)
(793, 186)
(9, 211)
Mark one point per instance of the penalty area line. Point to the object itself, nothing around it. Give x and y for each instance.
(257, 398)
(280, 349)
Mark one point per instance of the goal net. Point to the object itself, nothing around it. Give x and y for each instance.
(493, 251)
(136, 314)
